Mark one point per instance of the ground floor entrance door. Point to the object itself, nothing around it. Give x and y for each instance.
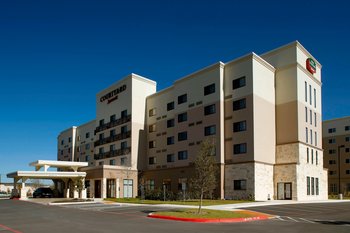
(97, 188)
(284, 191)
(111, 188)
(127, 188)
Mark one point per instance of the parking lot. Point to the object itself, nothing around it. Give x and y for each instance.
(20, 216)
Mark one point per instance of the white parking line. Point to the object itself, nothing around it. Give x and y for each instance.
(292, 219)
(305, 220)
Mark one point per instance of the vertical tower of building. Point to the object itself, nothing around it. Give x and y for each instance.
(299, 172)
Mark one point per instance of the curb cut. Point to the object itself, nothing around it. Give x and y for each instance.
(208, 220)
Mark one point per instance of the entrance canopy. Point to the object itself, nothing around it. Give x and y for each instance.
(67, 171)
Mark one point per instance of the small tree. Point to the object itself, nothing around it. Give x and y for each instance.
(204, 180)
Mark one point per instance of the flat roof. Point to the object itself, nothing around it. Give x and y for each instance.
(45, 175)
(58, 164)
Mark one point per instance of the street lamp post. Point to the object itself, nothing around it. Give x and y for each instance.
(341, 146)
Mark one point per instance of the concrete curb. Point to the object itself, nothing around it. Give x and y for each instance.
(211, 220)
(72, 203)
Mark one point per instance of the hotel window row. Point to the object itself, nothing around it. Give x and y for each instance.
(310, 92)
(312, 186)
(312, 136)
(181, 155)
(308, 117)
(311, 158)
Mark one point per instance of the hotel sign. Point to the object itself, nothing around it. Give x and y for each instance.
(113, 95)
(311, 65)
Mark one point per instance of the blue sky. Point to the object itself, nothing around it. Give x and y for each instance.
(56, 55)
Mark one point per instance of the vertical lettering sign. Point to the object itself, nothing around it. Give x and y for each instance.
(113, 95)
(311, 65)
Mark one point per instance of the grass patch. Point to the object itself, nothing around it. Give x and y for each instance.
(208, 214)
(187, 202)
(73, 200)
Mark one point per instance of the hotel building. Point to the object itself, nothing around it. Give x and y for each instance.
(336, 144)
(262, 112)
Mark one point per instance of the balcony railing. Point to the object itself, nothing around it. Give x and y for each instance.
(113, 153)
(114, 123)
(113, 138)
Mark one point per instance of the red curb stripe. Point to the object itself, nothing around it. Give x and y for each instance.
(9, 229)
(208, 220)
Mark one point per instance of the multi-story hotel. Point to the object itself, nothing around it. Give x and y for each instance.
(336, 144)
(262, 112)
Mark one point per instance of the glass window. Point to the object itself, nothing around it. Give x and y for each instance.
(347, 128)
(170, 123)
(112, 133)
(112, 162)
(306, 114)
(308, 185)
(124, 129)
(182, 99)
(112, 118)
(240, 148)
(209, 89)
(152, 112)
(239, 104)
(152, 144)
(239, 126)
(332, 130)
(237, 83)
(87, 135)
(112, 147)
(307, 155)
(317, 186)
(124, 145)
(102, 122)
(240, 184)
(170, 140)
(87, 146)
(122, 161)
(170, 158)
(315, 121)
(152, 128)
(306, 135)
(152, 160)
(182, 136)
(170, 106)
(312, 186)
(310, 92)
(315, 97)
(124, 113)
(62, 142)
(210, 109)
(310, 117)
(305, 91)
(182, 117)
(182, 155)
(210, 130)
(311, 136)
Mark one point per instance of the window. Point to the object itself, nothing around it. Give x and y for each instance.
(87, 158)
(312, 156)
(112, 147)
(182, 183)
(101, 136)
(307, 155)
(210, 130)
(69, 139)
(239, 126)
(112, 118)
(69, 150)
(347, 172)
(182, 136)
(152, 160)
(182, 155)
(152, 128)
(87, 135)
(240, 184)
(210, 89)
(317, 187)
(112, 162)
(150, 184)
(78, 138)
(170, 123)
(347, 139)
(315, 97)
(332, 162)
(61, 152)
(101, 163)
(87, 146)
(315, 121)
(306, 135)
(332, 130)
(239, 104)
(305, 91)
(347, 150)
(170, 158)
(331, 141)
(102, 122)
(122, 161)
(112, 133)
(237, 83)
(123, 145)
(312, 186)
(62, 142)
(124, 114)
(182, 99)
(310, 92)
(315, 138)
(347, 160)
(310, 117)
(101, 150)
(170, 106)
(306, 114)
(182, 117)
(332, 172)
(152, 144)
(316, 157)
(152, 112)
(331, 151)
(210, 109)
(308, 185)
(347, 128)
(311, 136)
(240, 148)
(333, 188)
(124, 129)
(170, 140)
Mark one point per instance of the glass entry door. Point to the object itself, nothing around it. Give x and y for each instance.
(127, 188)
(111, 188)
(284, 191)
(97, 188)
